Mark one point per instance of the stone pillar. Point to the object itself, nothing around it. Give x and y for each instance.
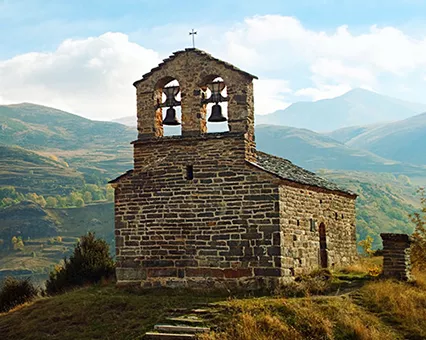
(396, 256)
(149, 117)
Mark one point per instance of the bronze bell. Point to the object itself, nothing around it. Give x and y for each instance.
(171, 117)
(217, 116)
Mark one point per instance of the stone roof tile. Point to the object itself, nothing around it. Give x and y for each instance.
(285, 169)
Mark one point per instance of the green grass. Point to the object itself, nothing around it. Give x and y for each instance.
(372, 309)
(96, 313)
(378, 310)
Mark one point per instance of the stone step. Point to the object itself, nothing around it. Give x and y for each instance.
(202, 311)
(190, 320)
(168, 336)
(181, 329)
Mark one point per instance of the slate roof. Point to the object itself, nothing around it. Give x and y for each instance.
(283, 169)
(286, 170)
(200, 53)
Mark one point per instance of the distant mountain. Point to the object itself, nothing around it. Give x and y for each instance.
(315, 151)
(404, 140)
(345, 134)
(98, 149)
(356, 107)
(128, 120)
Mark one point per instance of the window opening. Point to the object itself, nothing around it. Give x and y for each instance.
(189, 172)
(171, 113)
(214, 99)
(312, 224)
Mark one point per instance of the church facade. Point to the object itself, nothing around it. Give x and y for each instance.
(207, 209)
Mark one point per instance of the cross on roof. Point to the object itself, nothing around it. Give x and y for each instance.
(193, 33)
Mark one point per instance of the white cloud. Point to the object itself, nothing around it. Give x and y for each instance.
(336, 59)
(270, 95)
(92, 77)
(323, 91)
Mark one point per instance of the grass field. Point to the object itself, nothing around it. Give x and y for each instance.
(372, 309)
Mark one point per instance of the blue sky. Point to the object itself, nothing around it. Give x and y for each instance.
(75, 54)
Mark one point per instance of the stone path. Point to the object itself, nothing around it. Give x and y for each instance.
(183, 324)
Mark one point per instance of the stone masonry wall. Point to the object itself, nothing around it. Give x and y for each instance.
(221, 227)
(396, 256)
(298, 205)
(193, 69)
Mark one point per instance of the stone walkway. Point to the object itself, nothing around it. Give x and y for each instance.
(183, 324)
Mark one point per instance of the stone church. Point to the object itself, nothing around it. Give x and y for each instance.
(207, 209)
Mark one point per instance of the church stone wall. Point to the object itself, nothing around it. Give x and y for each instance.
(300, 239)
(222, 227)
(193, 69)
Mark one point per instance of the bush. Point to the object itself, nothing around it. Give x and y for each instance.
(418, 248)
(15, 292)
(315, 283)
(89, 263)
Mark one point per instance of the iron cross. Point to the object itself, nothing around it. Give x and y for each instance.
(193, 33)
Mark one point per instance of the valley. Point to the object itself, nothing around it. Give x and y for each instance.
(54, 169)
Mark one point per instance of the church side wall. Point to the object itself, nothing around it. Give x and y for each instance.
(300, 242)
(221, 229)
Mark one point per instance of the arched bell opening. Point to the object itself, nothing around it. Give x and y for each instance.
(168, 106)
(214, 103)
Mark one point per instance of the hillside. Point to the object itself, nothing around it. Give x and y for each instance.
(355, 307)
(383, 205)
(315, 151)
(97, 149)
(345, 134)
(29, 171)
(356, 107)
(48, 235)
(404, 140)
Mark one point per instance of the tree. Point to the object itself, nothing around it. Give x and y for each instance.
(17, 243)
(62, 201)
(79, 203)
(366, 246)
(15, 292)
(418, 247)
(87, 197)
(8, 192)
(51, 202)
(109, 193)
(89, 263)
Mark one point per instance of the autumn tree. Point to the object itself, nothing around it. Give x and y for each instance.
(418, 248)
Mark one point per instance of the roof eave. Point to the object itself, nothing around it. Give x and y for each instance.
(346, 193)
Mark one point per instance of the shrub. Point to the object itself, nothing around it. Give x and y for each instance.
(315, 283)
(89, 263)
(418, 248)
(366, 246)
(15, 292)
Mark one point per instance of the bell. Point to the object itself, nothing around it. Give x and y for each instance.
(217, 116)
(171, 117)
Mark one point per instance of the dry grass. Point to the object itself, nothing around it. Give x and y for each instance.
(399, 304)
(365, 266)
(309, 318)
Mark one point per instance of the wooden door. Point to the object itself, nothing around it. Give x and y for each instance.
(323, 246)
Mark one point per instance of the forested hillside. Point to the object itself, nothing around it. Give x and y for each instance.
(54, 169)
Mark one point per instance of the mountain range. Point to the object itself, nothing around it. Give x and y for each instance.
(55, 153)
(356, 107)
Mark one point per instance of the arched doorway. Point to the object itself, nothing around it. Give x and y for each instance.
(323, 246)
